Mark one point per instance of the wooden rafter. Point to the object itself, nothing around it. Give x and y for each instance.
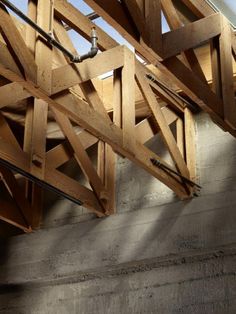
(191, 35)
(17, 44)
(175, 22)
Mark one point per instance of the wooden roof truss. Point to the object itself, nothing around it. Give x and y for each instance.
(27, 74)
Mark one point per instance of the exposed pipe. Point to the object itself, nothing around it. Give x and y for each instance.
(49, 37)
(93, 50)
(51, 17)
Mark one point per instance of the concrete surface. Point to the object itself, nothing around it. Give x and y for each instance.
(157, 255)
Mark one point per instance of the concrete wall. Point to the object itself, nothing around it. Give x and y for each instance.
(157, 255)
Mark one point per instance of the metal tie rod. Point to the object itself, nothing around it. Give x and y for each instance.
(162, 166)
(49, 37)
(41, 183)
(155, 80)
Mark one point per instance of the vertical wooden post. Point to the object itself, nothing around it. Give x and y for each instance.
(216, 72)
(101, 161)
(128, 101)
(107, 159)
(190, 144)
(32, 191)
(117, 98)
(110, 178)
(43, 57)
(180, 136)
(215, 65)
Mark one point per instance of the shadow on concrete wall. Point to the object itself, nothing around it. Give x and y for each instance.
(164, 230)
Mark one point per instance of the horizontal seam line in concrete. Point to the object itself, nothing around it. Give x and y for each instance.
(138, 266)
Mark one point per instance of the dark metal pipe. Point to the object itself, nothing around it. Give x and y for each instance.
(74, 58)
(92, 52)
